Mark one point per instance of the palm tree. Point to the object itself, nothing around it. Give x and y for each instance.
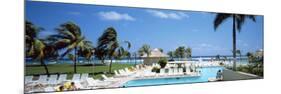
(250, 57)
(188, 52)
(135, 57)
(36, 48)
(180, 52)
(218, 57)
(70, 37)
(171, 54)
(161, 50)
(109, 46)
(237, 22)
(86, 51)
(145, 49)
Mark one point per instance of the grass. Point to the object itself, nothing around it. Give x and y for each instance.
(94, 71)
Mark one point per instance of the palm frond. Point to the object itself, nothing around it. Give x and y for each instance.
(220, 18)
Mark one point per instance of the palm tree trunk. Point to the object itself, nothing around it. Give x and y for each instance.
(234, 42)
(75, 59)
(110, 65)
(135, 59)
(45, 66)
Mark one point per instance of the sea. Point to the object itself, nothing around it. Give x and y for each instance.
(243, 60)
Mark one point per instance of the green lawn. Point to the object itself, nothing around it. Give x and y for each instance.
(94, 71)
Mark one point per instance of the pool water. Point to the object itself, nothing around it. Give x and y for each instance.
(206, 72)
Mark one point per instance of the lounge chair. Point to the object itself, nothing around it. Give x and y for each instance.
(181, 71)
(107, 78)
(162, 72)
(116, 73)
(187, 71)
(176, 72)
(62, 78)
(42, 79)
(84, 76)
(53, 80)
(76, 78)
(128, 71)
(28, 79)
(137, 67)
(123, 72)
(91, 83)
(170, 72)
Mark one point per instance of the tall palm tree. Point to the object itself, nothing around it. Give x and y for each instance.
(109, 46)
(36, 48)
(69, 37)
(237, 22)
(145, 49)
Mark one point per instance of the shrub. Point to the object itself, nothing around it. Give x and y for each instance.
(155, 69)
(162, 62)
(221, 64)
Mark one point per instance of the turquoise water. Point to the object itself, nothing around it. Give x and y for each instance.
(206, 72)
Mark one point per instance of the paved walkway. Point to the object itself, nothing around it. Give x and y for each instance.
(229, 75)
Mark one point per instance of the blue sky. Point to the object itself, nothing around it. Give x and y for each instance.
(165, 29)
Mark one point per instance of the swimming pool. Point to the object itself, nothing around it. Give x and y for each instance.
(206, 72)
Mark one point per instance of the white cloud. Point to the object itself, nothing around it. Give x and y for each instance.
(166, 15)
(115, 16)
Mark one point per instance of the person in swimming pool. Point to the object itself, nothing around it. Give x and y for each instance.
(219, 75)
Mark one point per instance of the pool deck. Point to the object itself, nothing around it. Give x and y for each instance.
(229, 75)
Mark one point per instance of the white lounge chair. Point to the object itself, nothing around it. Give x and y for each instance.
(84, 76)
(176, 72)
(122, 72)
(187, 71)
(28, 79)
(107, 78)
(91, 83)
(170, 72)
(162, 72)
(181, 71)
(128, 71)
(117, 74)
(76, 78)
(62, 78)
(53, 80)
(42, 79)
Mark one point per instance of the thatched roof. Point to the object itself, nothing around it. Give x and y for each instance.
(156, 53)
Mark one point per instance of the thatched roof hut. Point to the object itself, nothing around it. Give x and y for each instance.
(154, 56)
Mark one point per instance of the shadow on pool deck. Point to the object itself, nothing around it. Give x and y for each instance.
(229, 75)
